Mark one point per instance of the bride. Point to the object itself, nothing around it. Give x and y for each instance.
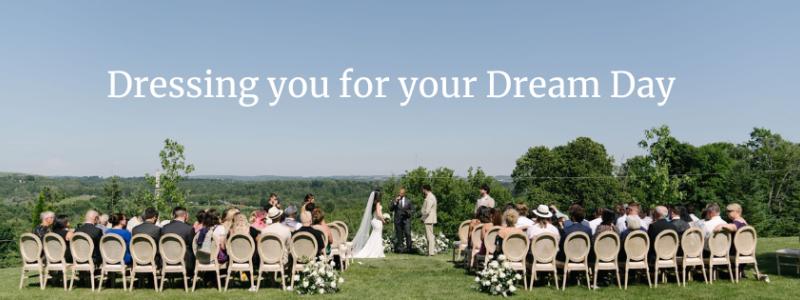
(366, 244)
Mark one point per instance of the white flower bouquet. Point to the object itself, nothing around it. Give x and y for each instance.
(498, 278)
(318, 277)
(419, 243)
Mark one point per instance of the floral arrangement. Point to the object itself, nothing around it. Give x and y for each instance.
(498, 278)
(318, 277)
(419, 243)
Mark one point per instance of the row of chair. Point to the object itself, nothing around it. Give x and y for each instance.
(240, 248)
(607, 245)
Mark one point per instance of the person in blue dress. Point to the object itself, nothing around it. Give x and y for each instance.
(119, 222)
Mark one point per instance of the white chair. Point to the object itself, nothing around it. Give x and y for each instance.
(636, 246)
(338, 249)
(240, 249)
(207, 262)
(719, 246)
(54, 251)
(304, 250)
(477, 241)
(463, 237)
(348, 245)
(81, 246)
(692, 246)
(515, 249)
(489, 246)
(544, 248)
(606, 250)
(576, 253)
(143, 254)
(745, 242)
(112, 249)
(273, 258)
(172, 249)
(30, 248)
(666, 247)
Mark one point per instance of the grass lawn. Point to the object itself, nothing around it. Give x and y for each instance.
(419, 277)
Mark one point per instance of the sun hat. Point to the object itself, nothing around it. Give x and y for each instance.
(274, 213)
(542, 211)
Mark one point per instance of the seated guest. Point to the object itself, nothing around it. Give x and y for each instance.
(632, 211)
(598, 218)
(680, 218)
(497, 219)
(713, 222)
(47, 217)
(239, 225)
(576, 215)
(487, 220)
(198, 220)
(543, 224)
(661, 224)
(318, 222)
(607, 218)
(148, 227)
(61, 227)
(306, 220)
(523, 221)
(633, 223)
(277, 227)
(102, 222)
(133, 222)
(735, 215)
(179, 226)
(308, 203)
(258, 221)
(510, 219)
(118, 223)
(89, 227)
(583, 222)
(290, 219)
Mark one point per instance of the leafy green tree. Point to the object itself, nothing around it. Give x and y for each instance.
(44, 202)
(113, 194)
(651, 174)
(173, 170)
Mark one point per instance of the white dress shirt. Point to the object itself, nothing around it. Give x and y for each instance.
(524, 222)
(594, 223)
(535, 230)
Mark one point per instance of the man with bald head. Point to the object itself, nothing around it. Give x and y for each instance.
(660, 224)
(89, 227)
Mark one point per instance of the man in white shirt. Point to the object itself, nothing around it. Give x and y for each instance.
(598, 218)
(277, 227)
(485, 199)
(523, 221)
(632, 211)
(713, 221)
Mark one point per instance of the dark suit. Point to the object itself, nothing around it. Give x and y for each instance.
(653, 231)
(95, 233)
(186, 232)
(402, 210)
(318, 235)
(149, 229)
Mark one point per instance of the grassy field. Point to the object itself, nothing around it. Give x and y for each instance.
(419, 277)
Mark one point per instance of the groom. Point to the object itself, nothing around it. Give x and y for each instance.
(429, 217)
(403, 209)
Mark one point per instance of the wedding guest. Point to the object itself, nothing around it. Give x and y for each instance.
(273, 201)
(179, 225)
(89, 227)
(523, 222)
(677, 214)
(510, 219)
(576, 215)
(228, 215)
(318, 221)
(306, 220)
(102, 222)
(148, 227)
(734, 211)
(497, 217)
(239, 225)
(308, 203)
(713, 221)
(646, 217)
(118, 222)
(598, 218)
(258, 221)
(291, 217)
(45, 227)
(632, 223)
(543, 224)
(485, 199)
(661, 224)
(607, 220)
(133, 222)
(198, 223)
(61, 227)
(632, 211)
(559, 219)
(278, 226)
(569, 222)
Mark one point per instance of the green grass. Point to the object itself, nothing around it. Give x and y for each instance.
(419, 277)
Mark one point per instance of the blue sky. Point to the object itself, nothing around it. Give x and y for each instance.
(735, 62)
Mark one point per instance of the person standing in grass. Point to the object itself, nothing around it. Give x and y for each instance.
(429, 217)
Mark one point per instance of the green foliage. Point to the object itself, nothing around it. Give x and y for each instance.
(173, 169)
(47, 197)
(113, 194)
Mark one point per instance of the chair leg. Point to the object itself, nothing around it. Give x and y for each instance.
(758, 274)
(655, 275)
(72, 280)
(21, 278)
(647, 273)
(219, 281)
(619, 285)
(730, 271)
(185, 282)
(194, 279)
(626, 277)
(91, 278)
(102, 277)
(42, 279)
(586, 269)
(566, 274)
(283, 280)
(133, 277)
(124, 284)
(291, 279)
(252, 279)
(163, 278)
(258, 282)
(228, 279)
(155, 281)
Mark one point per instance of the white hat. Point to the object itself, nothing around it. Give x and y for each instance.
(274, 212)
(542, 211)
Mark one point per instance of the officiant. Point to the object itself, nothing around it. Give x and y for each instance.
(402, 210)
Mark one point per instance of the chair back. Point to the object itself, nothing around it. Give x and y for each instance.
(637, 244)
(304, 246)
(338, 235)
(54, 248)
(345, 230)
(576, 247)
(81, 246)
(477, 235)
(112, 249)
(143, 250)
(172, 249)
(515, 247)
(240, 248)
(692, 243)
(666, 244)
(745, 241)
(719, 243)
(544, 248)
(463, 232)
(606, 246)
(270, 249)
(490, 239)
(205, 259)
(30, 248)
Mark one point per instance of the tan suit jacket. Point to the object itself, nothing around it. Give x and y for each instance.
(429, 209)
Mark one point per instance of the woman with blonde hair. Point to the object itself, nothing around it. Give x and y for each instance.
(239, 225)
(509, 227)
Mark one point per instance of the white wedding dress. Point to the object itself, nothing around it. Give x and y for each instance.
(372, 246)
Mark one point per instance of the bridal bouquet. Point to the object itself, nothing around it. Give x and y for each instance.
(498, 278)
(318, 277)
